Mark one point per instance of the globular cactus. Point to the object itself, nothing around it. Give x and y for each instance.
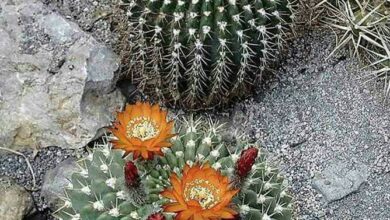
(363, 27)
(197, 176)
(200, 53)
(99, 190)
(262, 190)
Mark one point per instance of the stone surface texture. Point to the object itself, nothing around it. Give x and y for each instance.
(340, 179)
(15, 201)
(57, 84)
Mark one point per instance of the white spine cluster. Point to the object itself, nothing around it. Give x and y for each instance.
(196, 74)
(175, 65)
(221, 71)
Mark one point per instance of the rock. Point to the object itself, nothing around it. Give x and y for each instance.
(340, 179)
(60, 30)
(56, 180)
(57, 84)
(15, 201)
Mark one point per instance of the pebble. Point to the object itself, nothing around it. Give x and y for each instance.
(15, 201)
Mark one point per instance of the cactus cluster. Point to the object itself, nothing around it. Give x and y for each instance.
(110, 186)
(364, 27)
(200, 53)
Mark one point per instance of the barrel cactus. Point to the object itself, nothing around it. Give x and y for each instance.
(201, 53)
(198, 176)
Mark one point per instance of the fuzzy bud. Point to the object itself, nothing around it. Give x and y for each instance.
(245, 162)
(131, 175)
(156, 216)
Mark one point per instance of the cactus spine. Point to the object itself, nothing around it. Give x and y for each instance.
(365, 29)
(201, 53)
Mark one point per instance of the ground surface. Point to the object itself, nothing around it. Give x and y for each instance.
(311, 115)
(316, 113)
(43, 160)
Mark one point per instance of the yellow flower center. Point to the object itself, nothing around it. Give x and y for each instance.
(142, 128)
(202, 191)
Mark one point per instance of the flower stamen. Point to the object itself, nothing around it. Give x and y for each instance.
(202, 191)
(142, 128)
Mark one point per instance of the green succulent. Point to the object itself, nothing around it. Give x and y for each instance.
(100, 190)
(263, 193)
(201, 53)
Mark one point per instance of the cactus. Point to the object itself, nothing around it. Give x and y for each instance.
(201, 53)
(110, 186)
(263, 193)
(365, 29)
(99, 190)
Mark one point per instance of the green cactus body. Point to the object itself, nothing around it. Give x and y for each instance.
(98, 191)
(199, 52)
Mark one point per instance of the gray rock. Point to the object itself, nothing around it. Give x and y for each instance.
(60, 30)
(340, 179)
(56, 180)
(15, 201)
(66, 107)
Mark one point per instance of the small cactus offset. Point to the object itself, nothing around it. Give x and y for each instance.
(198, 176)
(99, 191)
(200, 53)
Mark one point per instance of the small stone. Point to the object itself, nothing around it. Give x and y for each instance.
(340, 179)
(15, 201)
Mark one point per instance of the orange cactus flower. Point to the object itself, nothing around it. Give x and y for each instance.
(202, 193)
(142, 129)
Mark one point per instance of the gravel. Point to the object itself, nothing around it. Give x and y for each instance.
(95, 17)
(315, 112)
(15, 167)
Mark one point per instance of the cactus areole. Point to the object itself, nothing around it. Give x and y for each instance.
(201, 53)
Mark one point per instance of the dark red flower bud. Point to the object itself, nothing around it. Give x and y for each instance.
(131, 175)
(156, 216)
(245, 162)
(237, 217)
